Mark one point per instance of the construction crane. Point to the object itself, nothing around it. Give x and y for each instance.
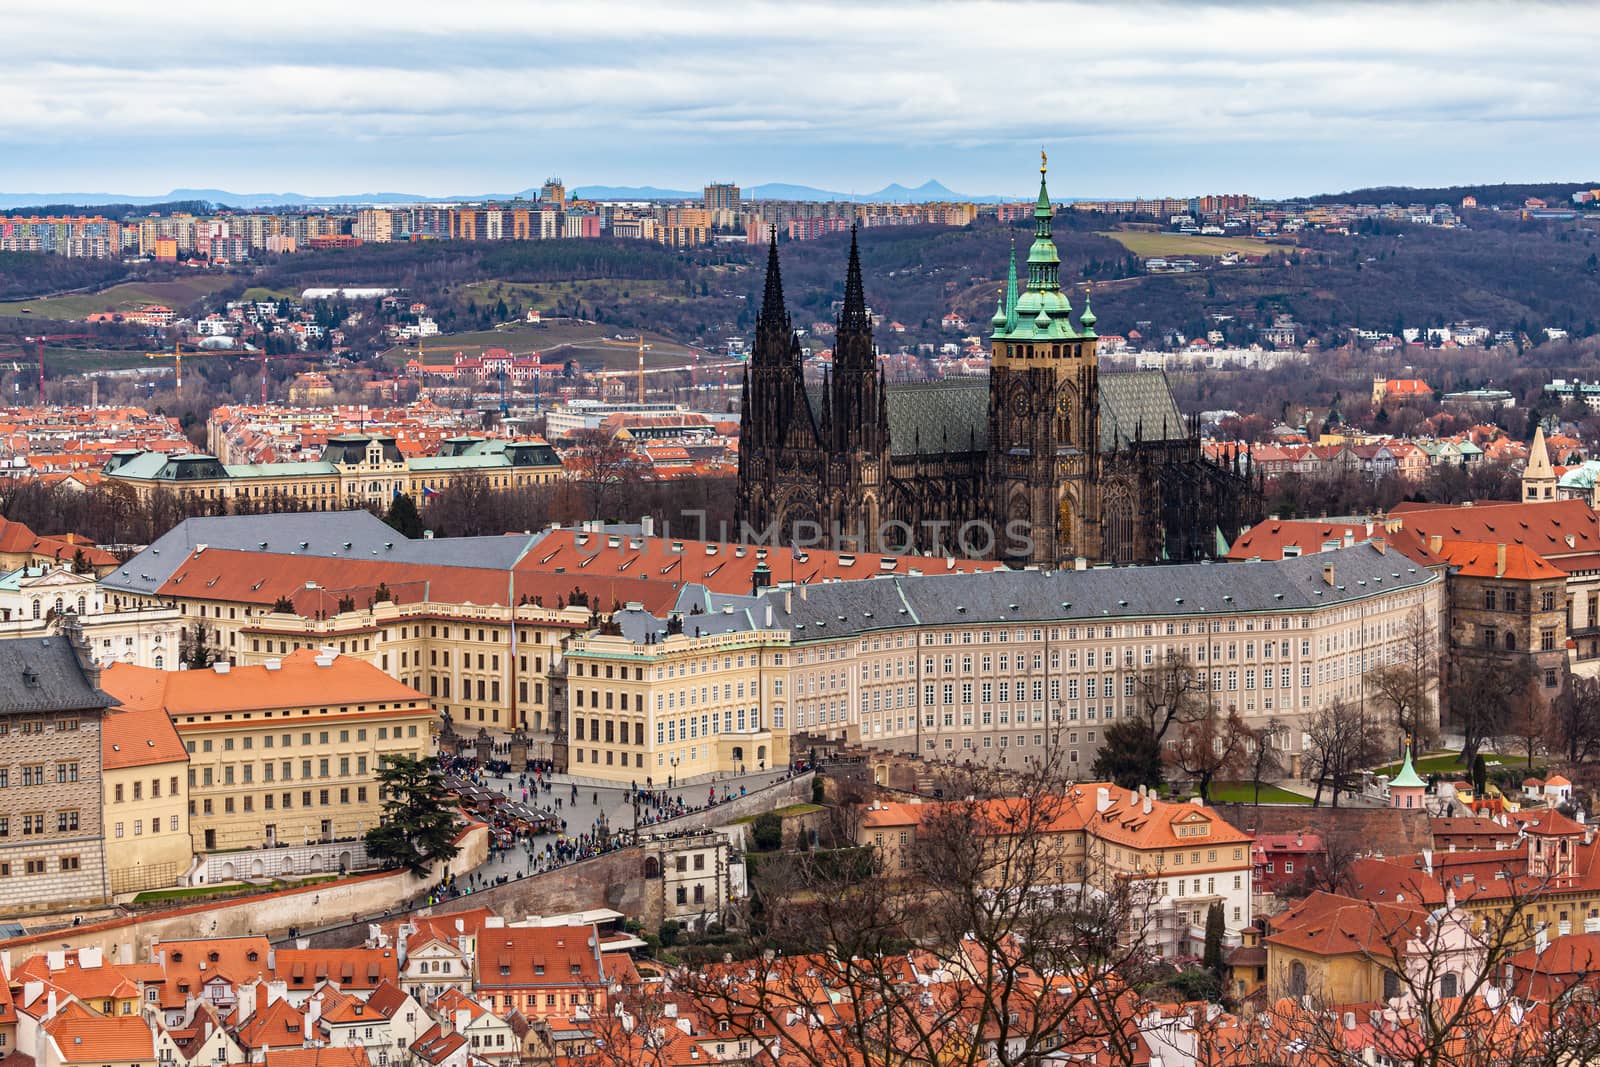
(41, 341)
(176, 355)
(643, 347)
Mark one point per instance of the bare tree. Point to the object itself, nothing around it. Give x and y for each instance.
(1211, 747)
(1575, 719)
(1263, 759)
(1405, 686)
(1485, 695)
(1339, 744)
(1171, 691)
(605, 468)
(986, 940)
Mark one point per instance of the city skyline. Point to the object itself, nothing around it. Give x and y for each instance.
(1152, 99)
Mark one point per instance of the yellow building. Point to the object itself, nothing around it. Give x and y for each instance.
(283, 753)
(647, 704)
(145, 786)
(356, 470)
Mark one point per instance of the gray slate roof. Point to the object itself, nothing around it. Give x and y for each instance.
(930, 417)
(43, 674)
(324, 532)
(836, 609)
(1131, 400)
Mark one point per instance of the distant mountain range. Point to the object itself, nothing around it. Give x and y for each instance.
(892, 194)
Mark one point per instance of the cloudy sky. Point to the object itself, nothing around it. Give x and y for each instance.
(1131, 97)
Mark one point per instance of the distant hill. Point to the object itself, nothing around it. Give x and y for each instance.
(1510, 194)
(630, 192)
(894, 194)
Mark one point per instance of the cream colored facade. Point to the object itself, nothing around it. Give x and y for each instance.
(464, 658)
(682, 708)
(147, 824)
(949, 688)
(285, 753)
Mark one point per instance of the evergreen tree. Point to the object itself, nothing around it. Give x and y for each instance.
(418, 825)
(283, 606)
(403, 517)
(1480, 775)
(1215, 929)
(1129, 756)
(199, 656)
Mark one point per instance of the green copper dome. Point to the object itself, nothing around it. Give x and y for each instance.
(1407, 778)
(1042, 312)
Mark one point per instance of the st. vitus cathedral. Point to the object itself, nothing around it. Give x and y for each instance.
(1049, 462)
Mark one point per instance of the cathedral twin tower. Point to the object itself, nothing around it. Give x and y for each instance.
(1049, 462)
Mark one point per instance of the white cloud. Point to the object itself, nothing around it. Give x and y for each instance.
(618, 81)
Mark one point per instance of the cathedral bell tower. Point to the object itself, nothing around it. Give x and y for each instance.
(1043, 412)
(856, 424)
(781, 462)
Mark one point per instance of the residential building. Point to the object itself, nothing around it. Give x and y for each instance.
(541, 971)
(52, 841)
(286, 752)
(1183, 858)
(145, 792)
(1282, 860)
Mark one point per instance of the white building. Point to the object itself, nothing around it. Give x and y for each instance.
(39, 600)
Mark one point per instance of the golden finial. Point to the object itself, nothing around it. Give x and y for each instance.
(1044, 161)
(1088, 286)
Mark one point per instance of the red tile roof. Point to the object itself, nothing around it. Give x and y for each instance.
(1551, 528)
(1480, 559)
(300, 681)
(139, 737)
(84, 1037)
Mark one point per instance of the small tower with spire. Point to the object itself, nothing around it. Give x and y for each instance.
(1407, 789)
(1539, 477)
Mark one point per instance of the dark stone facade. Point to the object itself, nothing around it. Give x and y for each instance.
(1048, 462)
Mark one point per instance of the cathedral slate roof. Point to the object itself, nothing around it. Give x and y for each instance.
(922, 414)
(1132, 400)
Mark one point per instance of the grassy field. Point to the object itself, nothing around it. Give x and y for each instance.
(1438, 763)
(60, 361)
(591, 345)
(124, 297)
(1245, 793)
(261, 292)
(1147, 243)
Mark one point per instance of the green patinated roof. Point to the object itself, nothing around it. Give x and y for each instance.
(1043, 311)
(1582, 476)
(1407, 778)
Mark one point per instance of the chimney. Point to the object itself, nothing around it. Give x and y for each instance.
(1500, 560)
(647, 525)
(1381, 544)
(1102, 799)
(1349, 1020)
(1435, 543)
(1148, 802)
(1427, 861)
(1327, 574)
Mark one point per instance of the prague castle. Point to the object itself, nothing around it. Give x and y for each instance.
(1052, 461)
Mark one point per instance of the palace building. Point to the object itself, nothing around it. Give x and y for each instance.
(1052, 461)
(355, 470)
